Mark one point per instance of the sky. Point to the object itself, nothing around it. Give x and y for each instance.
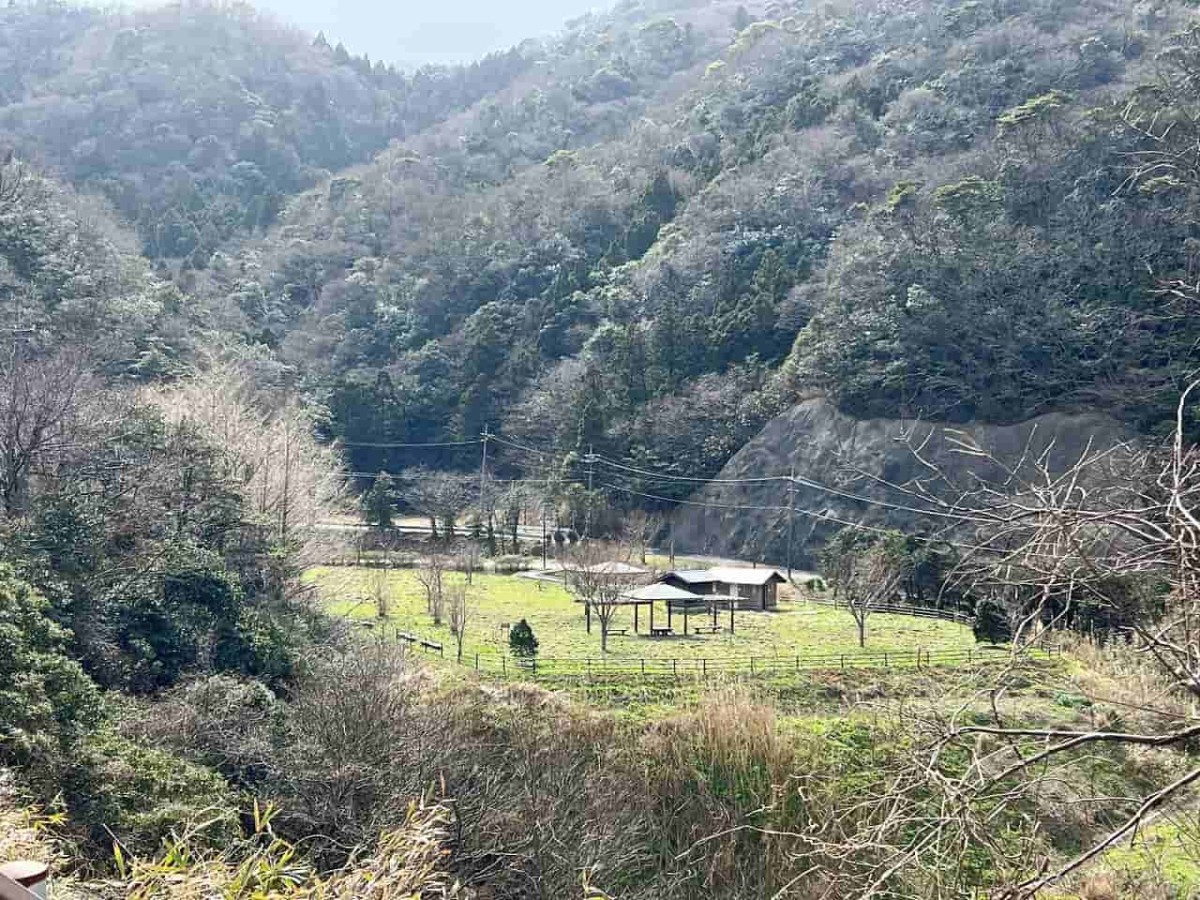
(413, 32)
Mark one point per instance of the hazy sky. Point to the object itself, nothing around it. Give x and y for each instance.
(409, 32)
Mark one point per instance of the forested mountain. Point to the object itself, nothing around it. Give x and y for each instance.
(72, 277)
(692, 236)
(690, 214)
(198, 121)
(656, 231)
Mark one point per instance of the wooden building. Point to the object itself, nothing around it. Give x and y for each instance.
(748, 588)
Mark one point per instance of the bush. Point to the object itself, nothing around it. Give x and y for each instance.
(991, 623)
(522, 641)
(47, 701)
(139, 794)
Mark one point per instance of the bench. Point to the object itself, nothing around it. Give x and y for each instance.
(708, 629)
(620, 631)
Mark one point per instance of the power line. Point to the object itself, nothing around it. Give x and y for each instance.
(516, 446)
(592, 459)
(792, 480)
(819, 516)
(384, 445)
(663, 476)
(347, 474)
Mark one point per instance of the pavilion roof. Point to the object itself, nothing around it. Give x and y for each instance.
(661, 591)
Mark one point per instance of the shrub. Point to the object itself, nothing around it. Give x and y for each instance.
(522, 641)
(48, 702)
(140, 794)
(991, 623)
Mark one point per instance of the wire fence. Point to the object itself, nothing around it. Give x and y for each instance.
(606, 667)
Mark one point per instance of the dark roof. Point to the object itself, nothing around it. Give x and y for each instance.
(692, 576)
(728, 575)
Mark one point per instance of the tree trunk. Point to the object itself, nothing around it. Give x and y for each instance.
(862, 631)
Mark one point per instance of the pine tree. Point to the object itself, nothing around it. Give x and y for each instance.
(522, 642)
(377, 503)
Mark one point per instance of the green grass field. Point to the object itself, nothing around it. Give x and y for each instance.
(558, 621)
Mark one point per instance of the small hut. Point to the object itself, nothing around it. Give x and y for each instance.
(748, 588)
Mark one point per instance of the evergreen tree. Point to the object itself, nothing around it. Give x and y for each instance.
(378, 507)
(522, 641)
(991, 624)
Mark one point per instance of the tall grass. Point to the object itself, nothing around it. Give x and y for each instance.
(408, 863)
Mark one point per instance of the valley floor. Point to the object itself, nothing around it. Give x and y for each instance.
(796, 628)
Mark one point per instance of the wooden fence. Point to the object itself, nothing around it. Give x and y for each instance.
(899, 609)
(707, 667)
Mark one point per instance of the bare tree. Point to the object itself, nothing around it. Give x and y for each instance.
(440, 496)
(638, 530)
(293, 482)
(458, 603)
(597, 574)
(1112, 535)
(432, 574)
(39, 406)
(378, 577)
(865, 569)
(468, 560)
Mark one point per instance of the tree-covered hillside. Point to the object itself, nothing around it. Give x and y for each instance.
(690, 214)
(198, 121)
(655, 231)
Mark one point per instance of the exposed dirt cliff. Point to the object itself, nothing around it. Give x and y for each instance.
(847, 469)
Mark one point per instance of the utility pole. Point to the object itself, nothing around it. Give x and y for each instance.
(483, 508)
(791, 518)
(587, 520)
(544, 535)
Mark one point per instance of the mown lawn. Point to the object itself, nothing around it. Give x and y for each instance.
(558, 622)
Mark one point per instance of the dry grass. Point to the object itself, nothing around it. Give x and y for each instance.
(29, 832)
(408, 863)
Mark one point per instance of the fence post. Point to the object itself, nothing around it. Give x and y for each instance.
(752, 665)
(886, 664)
(970, 656)
(703, 667)
(535, 665)
(843, 662)
(643, 667)
(476, 662)
(674, 668)
(503, 665)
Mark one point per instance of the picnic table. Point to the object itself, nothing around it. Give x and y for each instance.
(707, 629)
(658, 631)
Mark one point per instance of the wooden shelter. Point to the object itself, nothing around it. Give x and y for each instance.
(672, 597)
(744, 587)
